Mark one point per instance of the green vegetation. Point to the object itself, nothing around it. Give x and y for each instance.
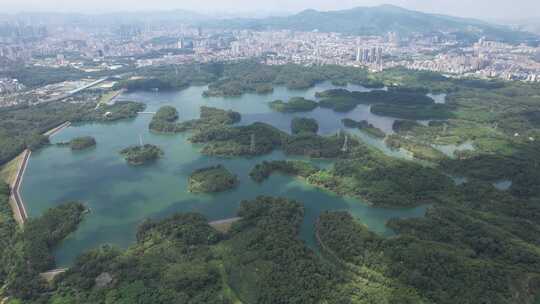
(253, 77)
(211, 180)
(81, 143)
(316, 146)
(166, 113)
(182, 259)
(365, 126)
(118, 111)
(165, 120)
(37, 76)
(362, 172)
(172, 77)
(255, 139)
(418, 264)
(30, 250)
(295, 104)
(267, 263)
(8, 229)
(400, 102)
(384, 182)
(22, 127)
(420, 112)
(166, 117)
(174, 261)
(304, 125)
(262, 171)
(141, 155)
(418, 150)
(475, 244)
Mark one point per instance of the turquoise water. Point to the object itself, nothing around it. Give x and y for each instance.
(121, 197)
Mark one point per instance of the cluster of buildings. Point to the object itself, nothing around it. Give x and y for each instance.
(10, 85)
(373, 56)
(91, 50)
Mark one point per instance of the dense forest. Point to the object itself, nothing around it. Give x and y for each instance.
(141, 155)
(211, 180)
(29, 251)
(165, 120)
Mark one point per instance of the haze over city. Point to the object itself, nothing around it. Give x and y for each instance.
(485, 9)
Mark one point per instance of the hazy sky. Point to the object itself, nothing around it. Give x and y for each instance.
(486, 9)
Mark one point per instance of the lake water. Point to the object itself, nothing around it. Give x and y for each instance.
(121, 197)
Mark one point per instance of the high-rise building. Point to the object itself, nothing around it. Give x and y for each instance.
(365, 55)
(379, 55)
(373, 55)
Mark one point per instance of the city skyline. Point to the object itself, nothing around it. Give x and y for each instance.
(482, 9)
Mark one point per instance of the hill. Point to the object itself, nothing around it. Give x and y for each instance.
(380, 20)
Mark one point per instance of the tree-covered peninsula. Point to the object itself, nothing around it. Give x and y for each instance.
(364, 126)
(25, 253)
(141, 155)
(211, 180)
(304, 125)
(262, 171)
(396, 102)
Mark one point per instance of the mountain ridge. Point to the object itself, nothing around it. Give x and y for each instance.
(377, 20)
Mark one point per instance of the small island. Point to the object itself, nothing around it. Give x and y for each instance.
(82, 143)
(364, 126)
(295, 104)
(211, 180)
(140, 155)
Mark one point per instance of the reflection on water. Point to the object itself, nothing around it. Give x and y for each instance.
(120, 196)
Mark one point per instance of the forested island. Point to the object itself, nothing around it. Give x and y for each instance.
(295, 104)
(80, 143)
(211, 180)
(165, 120)
(141, 155)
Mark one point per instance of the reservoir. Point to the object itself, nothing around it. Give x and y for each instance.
(120, 197)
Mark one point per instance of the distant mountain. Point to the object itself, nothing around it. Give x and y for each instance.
(380, 20)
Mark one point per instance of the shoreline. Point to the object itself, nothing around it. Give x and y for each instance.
(16, 202)
(52, 132)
